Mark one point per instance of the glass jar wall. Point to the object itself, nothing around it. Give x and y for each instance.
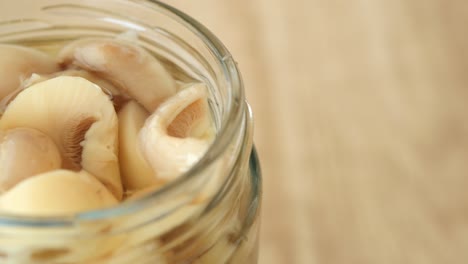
(209, 214)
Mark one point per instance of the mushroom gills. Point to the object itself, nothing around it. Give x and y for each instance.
(178, 133)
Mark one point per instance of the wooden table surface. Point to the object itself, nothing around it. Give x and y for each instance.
(361, 125)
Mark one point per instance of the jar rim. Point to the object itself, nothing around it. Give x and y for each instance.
(228, 126)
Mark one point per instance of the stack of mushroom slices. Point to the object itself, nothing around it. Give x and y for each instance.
(102, 120)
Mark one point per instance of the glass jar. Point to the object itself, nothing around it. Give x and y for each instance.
(208, 215)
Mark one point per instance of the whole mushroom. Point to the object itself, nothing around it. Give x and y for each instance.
(81, 120)
(25, 152)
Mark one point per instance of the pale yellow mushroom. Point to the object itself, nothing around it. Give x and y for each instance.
(135, 171)
(80, 119)
(177, 134)
(118, 98)
(18, 63)
(107, 87)
(25, 152)
(129, 67)
(59, 192)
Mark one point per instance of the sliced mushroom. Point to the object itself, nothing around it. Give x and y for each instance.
(59, 192)
(18, 63)
(176, 135)
(25, 152)
(79, 118)
(128, 66)
(135, 171)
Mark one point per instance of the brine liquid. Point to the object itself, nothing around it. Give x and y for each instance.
(223, 239)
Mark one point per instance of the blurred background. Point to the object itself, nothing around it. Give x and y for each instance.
(361, 125)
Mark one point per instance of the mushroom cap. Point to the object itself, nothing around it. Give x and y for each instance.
(128, 66)
(79, 117)
(25, 152)
(59, 192)
(135, 171)
(18, 63)
(115, 94)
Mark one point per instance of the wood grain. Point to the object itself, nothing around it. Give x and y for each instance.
(361, 125)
